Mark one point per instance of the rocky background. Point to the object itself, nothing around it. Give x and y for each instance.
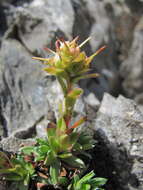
(113, 102)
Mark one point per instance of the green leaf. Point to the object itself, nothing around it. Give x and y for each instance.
(75, 67)
(98, 181)
(76, 178)
(26, 180)
(86, 182)
(80, 57)
(64, 140)
(86, 141)
(86, 187)
(77, 147)
(85, 154)
(39, 158)
(63, 181)
(93, 75)
(61, 109)
(75, 182)
(53, 70)
(57, 72)
(73, 137)
(13, 177)
(55, 172)
(87, 146)
(41, 141)
(8, 170)
(44, 149)
(61, 125)
(51, 131)
(75, 93)
(77, 186)
(72, 185)
(71, 99)
(22, 171)
(29, 168)
(74, 162)
(84, 138)
(65, 155)
(87, 177)
(50, 158)
(53, 142)
(76, 124)
(83, 71)
(27, 149)
(64, 143)
(58, 64)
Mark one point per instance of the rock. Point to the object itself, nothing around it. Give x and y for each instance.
(35, 24)
(92, 101)
(92, 105)
(38, 23)
(131, 69)
(41, 129)
(13, 144)
(104, 22)
(119, 124)
(4, 19)
(135, 6)
(23, 88)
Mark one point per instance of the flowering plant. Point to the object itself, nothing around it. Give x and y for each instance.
(59, 160)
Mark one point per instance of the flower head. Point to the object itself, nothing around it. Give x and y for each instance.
(69, 60)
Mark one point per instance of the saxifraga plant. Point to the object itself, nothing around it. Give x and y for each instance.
(60, 159)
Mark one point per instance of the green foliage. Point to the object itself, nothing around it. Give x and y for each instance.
(87, 182)
(40, 151)
(57, 159)
(16, 169)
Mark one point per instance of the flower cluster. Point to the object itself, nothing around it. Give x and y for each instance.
(68, 61)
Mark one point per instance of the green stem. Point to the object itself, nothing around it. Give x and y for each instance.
(67, 85)
(68, 111)
(63, 85)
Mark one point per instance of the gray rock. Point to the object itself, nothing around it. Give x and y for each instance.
(132, 67)
(41, 21)
(92, 101)
(41, 129)
(103, 21)
(23, 88)
(37, 23)
(119, 123)
(13, 144)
